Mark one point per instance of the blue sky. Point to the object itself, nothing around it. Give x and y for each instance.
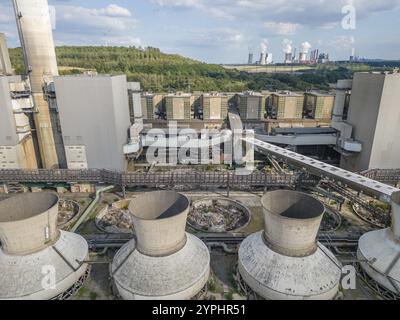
(223, 31)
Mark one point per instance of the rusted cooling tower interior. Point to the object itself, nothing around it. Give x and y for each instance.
(379, 251)
(285, 261)
(38, 261)
(164, 262)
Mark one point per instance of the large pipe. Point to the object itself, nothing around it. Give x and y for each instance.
(34, 26)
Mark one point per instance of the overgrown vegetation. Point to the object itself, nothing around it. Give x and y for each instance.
(160, 72)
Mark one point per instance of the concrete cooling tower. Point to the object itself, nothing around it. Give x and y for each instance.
(38, 261)
(164, 262)
(284, 262)
(379, 251)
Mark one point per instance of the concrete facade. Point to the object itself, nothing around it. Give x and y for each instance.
(375, 116)
(16, 144)
(94, 116)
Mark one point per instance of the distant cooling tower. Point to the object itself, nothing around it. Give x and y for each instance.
(164, 262)
(263, 59)
(288, 58)
(302, 57)
(35, 32)
(38, 261)
(284, 262)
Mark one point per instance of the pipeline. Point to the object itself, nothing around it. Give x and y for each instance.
(90, 208)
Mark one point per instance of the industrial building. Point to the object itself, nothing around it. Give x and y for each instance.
(5, 63)
(287, 105)
(284, 262)
(179, 106)
(214, 106)
(319, 105)
(164, 262)
(153, 106)
(251, 105)
(35, 32)
(94, 116)
(374, 114)
(33, 246)
(17, 149)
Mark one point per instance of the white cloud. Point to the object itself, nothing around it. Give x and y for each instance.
(281, 28)
(114, 10)
(206, 6)
(111, 19)
(217, 37)
(320, 13)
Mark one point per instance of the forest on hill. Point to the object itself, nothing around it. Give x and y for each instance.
(160, 72)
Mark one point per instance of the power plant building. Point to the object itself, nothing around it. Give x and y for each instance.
(287, 105)
(374, 113)
(319, 105)
(251, 105)
(214, 106)
(16, 143)
(179, 106)
(152, 106)
(94, 115)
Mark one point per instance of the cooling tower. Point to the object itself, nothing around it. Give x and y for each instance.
(284, 262)
(37, 261)
(302, 57)
(379, 252)
(163, 262)
(34, 26)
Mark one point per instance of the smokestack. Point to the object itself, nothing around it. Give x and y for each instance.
(5, 63)
(34, 26)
